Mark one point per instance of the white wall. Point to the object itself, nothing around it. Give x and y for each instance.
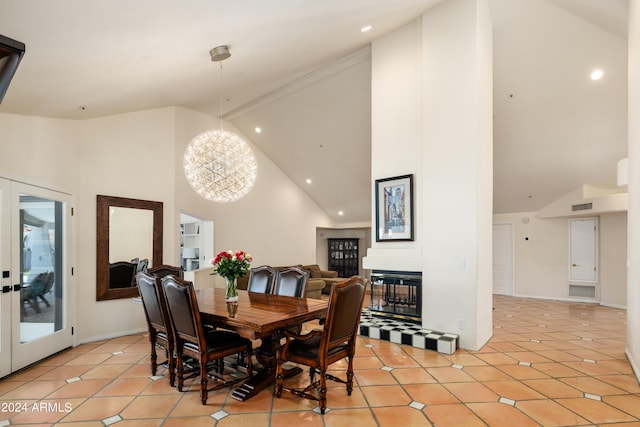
(541, 256)
(396, 140)
(139, 155)
(633, 279)
(613, 260)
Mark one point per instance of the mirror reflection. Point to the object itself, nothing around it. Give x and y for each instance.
(129, 240)
(130, 244)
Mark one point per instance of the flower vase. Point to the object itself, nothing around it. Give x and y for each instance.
(232, 289)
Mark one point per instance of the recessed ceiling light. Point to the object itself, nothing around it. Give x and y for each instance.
(308, 180)
(258, 129)
(340, 213)
(365, 28)
(597, 74)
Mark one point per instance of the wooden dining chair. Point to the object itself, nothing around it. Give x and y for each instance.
(122, 274)
(291, 282)
(320, 348)
(158, 323)
(261, 279)
(164, 270)
(194, 341)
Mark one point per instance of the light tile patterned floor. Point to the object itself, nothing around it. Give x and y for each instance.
(549, 363)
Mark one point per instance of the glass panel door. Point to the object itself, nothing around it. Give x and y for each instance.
(40, 235)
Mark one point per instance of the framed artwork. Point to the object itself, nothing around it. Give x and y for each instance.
(394, 208)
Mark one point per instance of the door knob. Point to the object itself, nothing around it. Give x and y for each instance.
(574, 265)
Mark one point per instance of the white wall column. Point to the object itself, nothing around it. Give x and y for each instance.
(457, 184)
(432, 116)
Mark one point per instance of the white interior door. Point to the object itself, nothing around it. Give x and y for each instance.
(583, 253)
(503, 259)
(36, 267)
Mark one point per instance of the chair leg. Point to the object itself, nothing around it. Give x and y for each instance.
(153, 357)
(204, 379)
(172, 367)
(44, 300)
(279, 378)
(350, 376)
(323, 392)
(179, 368)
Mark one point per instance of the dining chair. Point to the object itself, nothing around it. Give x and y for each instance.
(194, 341)
(320, 348)
(291, 282)
(164, 270)
(122, 274)
(261, 279)
(158, 323)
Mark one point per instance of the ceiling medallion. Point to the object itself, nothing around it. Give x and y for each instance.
(218, 164)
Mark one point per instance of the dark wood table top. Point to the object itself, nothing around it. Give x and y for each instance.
(259, 315)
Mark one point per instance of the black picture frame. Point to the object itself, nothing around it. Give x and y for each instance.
(394, 208)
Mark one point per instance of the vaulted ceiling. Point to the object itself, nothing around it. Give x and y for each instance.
(300, 70)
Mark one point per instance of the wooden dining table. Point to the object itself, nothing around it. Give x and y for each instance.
(259, 316)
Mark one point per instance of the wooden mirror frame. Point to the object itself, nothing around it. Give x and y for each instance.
(104, 203)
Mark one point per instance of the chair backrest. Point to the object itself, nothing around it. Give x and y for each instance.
(164, 270)
(153, 301)
(343, 312)
(142, 265)
(122, 274)
(291, 282)
(50, 281)
(38, 284)
(183, 310)
(261, 279)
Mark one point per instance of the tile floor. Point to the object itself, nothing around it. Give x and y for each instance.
(549, 363)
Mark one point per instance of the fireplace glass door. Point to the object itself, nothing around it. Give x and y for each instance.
(397, 294)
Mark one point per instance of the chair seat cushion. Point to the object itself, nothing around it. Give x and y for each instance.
(220, 340)
(309, 349)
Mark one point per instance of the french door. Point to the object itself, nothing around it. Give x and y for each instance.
(35, 236)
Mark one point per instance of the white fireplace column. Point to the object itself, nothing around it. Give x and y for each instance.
(432, 117)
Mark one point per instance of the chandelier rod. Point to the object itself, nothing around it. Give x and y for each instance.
(220, 95)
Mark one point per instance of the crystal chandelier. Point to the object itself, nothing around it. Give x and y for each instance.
(218, 164)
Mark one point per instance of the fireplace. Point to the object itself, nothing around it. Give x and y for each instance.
(396, 294)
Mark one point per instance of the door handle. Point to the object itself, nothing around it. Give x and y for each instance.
(574, 265)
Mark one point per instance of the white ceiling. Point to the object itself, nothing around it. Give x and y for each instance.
(300, 70)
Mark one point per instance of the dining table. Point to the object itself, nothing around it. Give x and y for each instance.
(258, 316)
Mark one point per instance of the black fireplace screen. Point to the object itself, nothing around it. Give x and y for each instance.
(396, 293)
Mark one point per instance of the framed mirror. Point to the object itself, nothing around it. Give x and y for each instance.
(129, 239)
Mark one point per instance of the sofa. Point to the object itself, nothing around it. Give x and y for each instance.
(319, 283)
(329, 277)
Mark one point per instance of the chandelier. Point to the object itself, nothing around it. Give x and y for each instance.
(218, 164)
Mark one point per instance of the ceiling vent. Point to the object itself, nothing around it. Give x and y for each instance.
(582, 207)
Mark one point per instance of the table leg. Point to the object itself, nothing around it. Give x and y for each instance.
(265, 354)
